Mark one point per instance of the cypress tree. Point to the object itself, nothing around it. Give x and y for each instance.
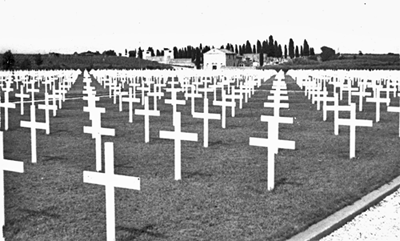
(261, 57)
(279, 51)
(236, 49)
(312, 52)
(258, 46)
(301, 51)
(271, 50)
(297, 51)
(291, 48)
(248, 47)
(254, 49)
(285, 51)
(306, 48)
(198, 58)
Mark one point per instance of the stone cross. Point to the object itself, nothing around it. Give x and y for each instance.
(6, 165)
(147, 113)
(353, 122)
(33, 125)
(206, 116)
(110, 181)
(178, 137)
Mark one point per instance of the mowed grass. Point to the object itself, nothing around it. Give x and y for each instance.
(223, 192)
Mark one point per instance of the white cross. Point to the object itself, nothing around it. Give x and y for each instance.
(336, 108)
(6, 105)
(32, 90)
(147, 113)
(206, 116)
(131, 99)
(192, 95)
(6, 165)
(353, 122)
(110, 181)
(121, 94)
(273, 143)
(33, 125)
(22, 96)
(156, 95)
(174, 102)
(178, 136)
(97, 131)
(395, 109)
(223, 103)
(378, 100)
(233, 97)
(361, 94)
(143, 89)
(47, 108)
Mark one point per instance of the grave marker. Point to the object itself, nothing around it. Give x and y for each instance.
(178, 136)
(353, 122)
(147, 113)
(7, 104)
(131, 99)
(22, 96)
(110, 181)
(206, 116)
(6, 165)
(33, 125)
(46, 107)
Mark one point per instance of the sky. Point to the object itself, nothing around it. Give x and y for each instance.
(68, 26)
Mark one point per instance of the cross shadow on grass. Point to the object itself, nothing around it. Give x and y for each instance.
(195, 174)
(135, 233)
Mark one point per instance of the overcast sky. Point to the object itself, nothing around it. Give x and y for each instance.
(66, 26)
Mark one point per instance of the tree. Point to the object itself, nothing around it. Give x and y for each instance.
(109, 53)
(301, 51)
(291, 48)
(306, 48)
(261, 57)
(175, 52)
(132, 53)
(285, 51)
(140, 53)
(8, 60)
(271, 49)
(279, 51)
(258, 46)
(126, 52)
(276, 49)
(265, 46)
(254, 49)
(312, 52)
(236, 49)
(297, 51)
(248, 47)
(26, 64)
(151, 50)
(198, 58)
(327, 53)
(38, 59)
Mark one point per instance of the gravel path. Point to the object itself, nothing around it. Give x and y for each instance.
(380, 222)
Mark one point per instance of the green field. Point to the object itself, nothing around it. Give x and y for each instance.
(223, 192)
(87, 62)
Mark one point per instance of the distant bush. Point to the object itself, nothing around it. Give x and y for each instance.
(26, 64)
(38, 59)
(327, 54)
(8, 60)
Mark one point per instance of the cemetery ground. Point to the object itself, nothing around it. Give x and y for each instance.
(223, 192)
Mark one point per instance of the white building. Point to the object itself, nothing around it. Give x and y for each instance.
(217, 58)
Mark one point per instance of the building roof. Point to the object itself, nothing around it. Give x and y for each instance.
(225, 51)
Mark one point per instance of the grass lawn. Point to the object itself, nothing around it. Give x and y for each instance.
(223, 192)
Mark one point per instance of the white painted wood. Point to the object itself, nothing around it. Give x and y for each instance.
(178, 136)
(147, 113)
(110, 181)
